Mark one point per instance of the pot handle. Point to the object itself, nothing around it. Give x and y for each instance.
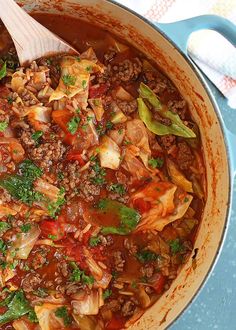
(179, 32)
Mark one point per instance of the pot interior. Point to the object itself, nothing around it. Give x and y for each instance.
(156, 47)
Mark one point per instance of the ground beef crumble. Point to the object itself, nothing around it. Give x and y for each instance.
(126, 70)
(48, 153)
(31, 282)
(119, 262)
(184, 156)
(127, 107)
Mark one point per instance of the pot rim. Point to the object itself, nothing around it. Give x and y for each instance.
(215, 106)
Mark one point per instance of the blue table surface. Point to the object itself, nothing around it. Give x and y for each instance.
(215, 305)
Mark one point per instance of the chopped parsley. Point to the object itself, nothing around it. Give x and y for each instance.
(79, 275)
(94, 241)
(156, 162)
(18, 306)
(10, 99)
(117, 188)
(68, 80)
(54, 207)
(100, 173)
(106, 294)
(4, 226)
(21, 186)
(89, 68)
(32, 316)
(109, 125)
(60, 176)
(36, 136)
(84, 84)
(25, 228)
(100, 130)
(128, 217)
(89, 118)
(41, 292)
(175, 246)
(3, 70)
(3, 126)
(62, 312)
(52, 237)
(126, 142)
(73, 125)
(3, 246)
(145, 256)
(29, 170)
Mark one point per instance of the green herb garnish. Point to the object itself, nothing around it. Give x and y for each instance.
(84, 84)
(37, 135)
(106, 294)
(94, 241)
(3, 246)
(62, 312)
(156, 162)
(99, 178)
(79, 275)
(128, 217)
(3, 70)
(117, 188)
(68, 80)
(145, 256)
(109, 125)
(54, 207)
(21, 186)
(17, 305)
(3, 126)
(175, 246)
(4, 226)
(73, 125)
(25, 228)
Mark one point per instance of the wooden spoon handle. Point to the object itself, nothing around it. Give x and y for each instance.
(31, 39)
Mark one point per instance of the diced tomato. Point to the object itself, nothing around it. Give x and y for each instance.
(69, 138)
(97, 90)
(61, 118)
(141, 205)
(54, 228)
(75, 251)
(75, 155)
(115, 324)
(159, 283)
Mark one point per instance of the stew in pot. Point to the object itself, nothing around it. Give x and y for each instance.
(102, 183)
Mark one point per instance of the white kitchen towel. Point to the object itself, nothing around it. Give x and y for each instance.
(218, 61)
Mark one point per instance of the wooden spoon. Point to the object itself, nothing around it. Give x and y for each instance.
(32, 40)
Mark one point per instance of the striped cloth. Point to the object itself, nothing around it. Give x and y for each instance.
(218, 61)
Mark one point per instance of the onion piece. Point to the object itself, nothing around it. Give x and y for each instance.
(97, 107)
(84, 303)
(25, 242)
(88, 322)
(21, 324)
(121, 94)
(177, 177)
(109, 153)
(47, 318)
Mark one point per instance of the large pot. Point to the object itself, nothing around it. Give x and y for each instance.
(217, 140)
